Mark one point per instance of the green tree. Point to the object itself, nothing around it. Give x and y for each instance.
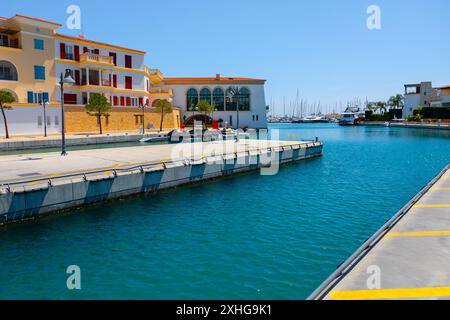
(371, 106)
(99, 106)
(6, 97)
(396, 102)
(205, 107)
(381, 106)
(163, 107)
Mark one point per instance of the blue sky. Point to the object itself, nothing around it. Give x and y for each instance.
(321, 47)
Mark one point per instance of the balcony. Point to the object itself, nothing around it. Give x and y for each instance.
(161, 91)
(96, 59)
(155, 75)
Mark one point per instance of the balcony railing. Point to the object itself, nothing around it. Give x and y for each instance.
(96, 58)
(161, 90)
(155, 73)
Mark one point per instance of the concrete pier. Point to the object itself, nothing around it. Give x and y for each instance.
(408, 258)
(38, 184)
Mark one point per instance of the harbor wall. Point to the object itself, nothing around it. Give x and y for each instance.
(59, 194)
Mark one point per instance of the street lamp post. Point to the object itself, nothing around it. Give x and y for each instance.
(43, 103)
(67, 79)
(234, 95)
(143, 117)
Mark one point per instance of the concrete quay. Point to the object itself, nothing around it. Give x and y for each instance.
(432, 126)
(408, 258)
(43, 183)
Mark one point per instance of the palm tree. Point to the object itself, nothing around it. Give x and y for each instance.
(371, 106)
(381, 106)
(396, 102)
(5, 97)
(98, 105)
(163, 106)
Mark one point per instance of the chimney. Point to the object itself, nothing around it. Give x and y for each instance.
(217, 76)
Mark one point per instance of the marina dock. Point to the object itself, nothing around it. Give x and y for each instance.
(408, 258)
(37, 184)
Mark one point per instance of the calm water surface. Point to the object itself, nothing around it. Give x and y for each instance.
(244, 237)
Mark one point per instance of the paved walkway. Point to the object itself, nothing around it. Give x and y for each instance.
(15, 168)
(412, 260)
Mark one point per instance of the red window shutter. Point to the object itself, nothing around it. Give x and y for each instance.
(115, 80)
(128, 62)
(116, 101)
(114, 56)
(128, 82)
(70, 98)
(141, 101)
(77, 77)
(62, 49)
(96, 51)
(85, 49)
(122, 101)
(128, 101)
(77, 53)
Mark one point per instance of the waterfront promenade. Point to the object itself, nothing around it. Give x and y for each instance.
(407, 259)
(15, 168)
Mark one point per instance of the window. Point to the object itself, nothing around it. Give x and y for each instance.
(128, 82)
(39, 121)
(244, 99)
(191, 99)
(56, 121)
(39, 73)
(39, 44)
(205, 94)
(114, 56)
(219, 99)
(49, 120)
(37, 97)
(4, 40)
(8, 71)
(128, 62)
(70, 98)
(69, 53)
(230, 101)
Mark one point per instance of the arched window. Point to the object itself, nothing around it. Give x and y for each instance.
(191, 99)
(230, 101)
(244, 99)
(205, 94)
(8, 71)
(219, 99)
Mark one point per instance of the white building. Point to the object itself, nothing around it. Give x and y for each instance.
(418, 94)
(187, 92)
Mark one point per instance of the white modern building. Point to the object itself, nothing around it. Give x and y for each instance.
(187, 92)
(422, 95)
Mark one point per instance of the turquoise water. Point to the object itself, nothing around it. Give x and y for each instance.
(244, 237)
